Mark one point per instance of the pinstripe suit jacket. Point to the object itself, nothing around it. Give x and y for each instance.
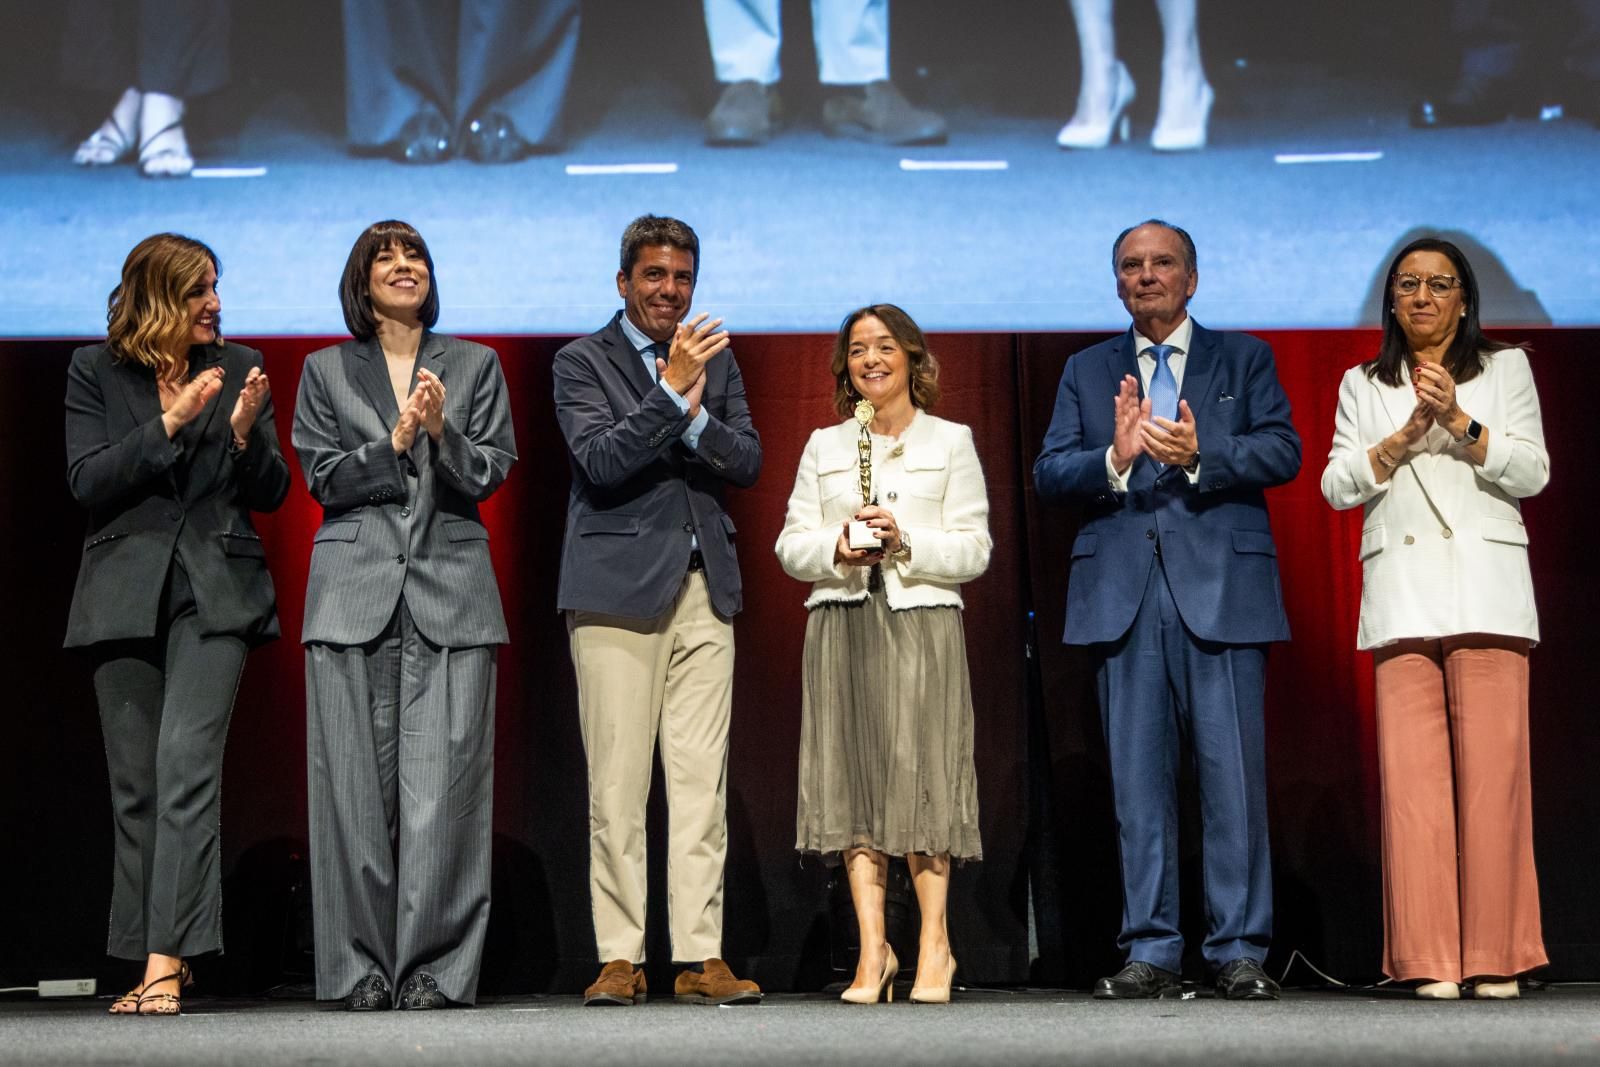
(402, 525)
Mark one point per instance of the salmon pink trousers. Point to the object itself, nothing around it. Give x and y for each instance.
(1460, 894)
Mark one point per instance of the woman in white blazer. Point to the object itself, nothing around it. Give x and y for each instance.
(1437, 438)
(886, 761)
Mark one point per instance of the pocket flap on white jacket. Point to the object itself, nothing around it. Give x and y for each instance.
(1506, 531)
(1373, 539)
(834, 462)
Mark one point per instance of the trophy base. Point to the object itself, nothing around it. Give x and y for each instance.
(862, 538)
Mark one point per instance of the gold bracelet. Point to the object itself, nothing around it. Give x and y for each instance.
(1388, 461)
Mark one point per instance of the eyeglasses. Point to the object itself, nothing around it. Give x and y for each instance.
(1438, 284)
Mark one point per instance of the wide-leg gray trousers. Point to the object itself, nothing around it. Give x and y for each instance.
(400, 768)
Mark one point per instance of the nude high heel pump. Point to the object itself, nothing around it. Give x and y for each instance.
(891, 967)
(1095, 132)
(1482, 990)
(939, 994)
(1438, 991)
(1187, 134)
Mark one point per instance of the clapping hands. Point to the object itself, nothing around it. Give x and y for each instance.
(693, 344)
(191, 400)
(424, 410)
(1137, 432)
(252, 395)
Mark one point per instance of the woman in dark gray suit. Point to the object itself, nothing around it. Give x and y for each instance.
(401, 433)
(172, 590)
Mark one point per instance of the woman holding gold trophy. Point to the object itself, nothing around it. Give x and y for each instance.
(888, 518)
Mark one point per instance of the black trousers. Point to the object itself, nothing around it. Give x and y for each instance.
(176, 47)
(462, 59)
(165, 702)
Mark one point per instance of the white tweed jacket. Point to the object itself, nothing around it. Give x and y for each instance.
(1443, 547)
(929, 479)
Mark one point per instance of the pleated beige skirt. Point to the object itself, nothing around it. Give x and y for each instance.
(886, 733)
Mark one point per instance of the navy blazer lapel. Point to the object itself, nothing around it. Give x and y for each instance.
(1126, 362)
(1199, 368)
(628, 362)
(371, 373)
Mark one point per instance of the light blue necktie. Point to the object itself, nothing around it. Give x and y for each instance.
(1163, 386)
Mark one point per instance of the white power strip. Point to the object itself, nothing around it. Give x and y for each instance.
(67, 987)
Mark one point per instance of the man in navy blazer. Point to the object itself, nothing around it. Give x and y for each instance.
(656, 424)
(1166, 438)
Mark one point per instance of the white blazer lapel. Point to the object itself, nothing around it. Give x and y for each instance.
(1397, 402)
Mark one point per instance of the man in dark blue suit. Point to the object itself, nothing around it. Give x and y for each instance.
(1166, 436)
(654, 415)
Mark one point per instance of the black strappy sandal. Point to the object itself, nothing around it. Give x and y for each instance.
(166, 1003)
(128, 1003)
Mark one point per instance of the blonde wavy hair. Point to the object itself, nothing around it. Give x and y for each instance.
(147, 314)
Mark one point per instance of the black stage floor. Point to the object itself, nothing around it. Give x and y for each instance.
(1558, 1024)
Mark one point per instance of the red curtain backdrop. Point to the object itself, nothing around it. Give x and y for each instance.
(1046, 815)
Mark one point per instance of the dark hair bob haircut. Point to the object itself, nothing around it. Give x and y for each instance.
(355, 288)
(922, 367)
(1464, 359)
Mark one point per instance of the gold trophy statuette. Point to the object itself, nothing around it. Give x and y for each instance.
(861, 535)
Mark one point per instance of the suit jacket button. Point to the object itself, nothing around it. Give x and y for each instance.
(1410, 540)
(405, 513)
(175, 514)
(1150, 535)
(401, 558)
(688, 527)
(1445, 533)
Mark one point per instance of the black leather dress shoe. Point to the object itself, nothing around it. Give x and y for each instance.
(369, 994)
(425, 138)
(493, 138)
(1243, 979)
(421, 993)
(1137, 981)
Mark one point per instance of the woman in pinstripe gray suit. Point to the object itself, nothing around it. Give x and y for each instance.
(401, 433)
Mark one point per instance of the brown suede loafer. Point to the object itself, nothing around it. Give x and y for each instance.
(620, 982)
(716, 986)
